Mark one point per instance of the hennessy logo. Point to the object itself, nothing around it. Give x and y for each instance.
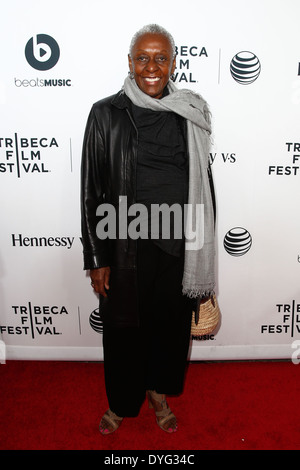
(19, 240)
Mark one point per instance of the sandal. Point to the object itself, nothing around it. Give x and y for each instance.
(112, 420)
(162, 411)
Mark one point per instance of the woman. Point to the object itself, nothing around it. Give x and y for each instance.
(147, 145)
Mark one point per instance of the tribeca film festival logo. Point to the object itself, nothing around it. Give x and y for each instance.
(289, 314)
(185, 55)
(245, 67)
(42, 53)
(293, 152)
(35, 320)
(288, 324)
(237, 241)
(23, 155)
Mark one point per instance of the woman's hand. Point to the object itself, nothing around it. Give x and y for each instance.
(100, 280)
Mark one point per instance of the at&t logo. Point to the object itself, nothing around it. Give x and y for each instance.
(245, 67)
(96, 322)
(42, 52)
(237, 241)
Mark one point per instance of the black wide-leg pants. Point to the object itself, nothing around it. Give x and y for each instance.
(152, 356)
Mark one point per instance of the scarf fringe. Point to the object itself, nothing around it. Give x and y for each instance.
(198, 293)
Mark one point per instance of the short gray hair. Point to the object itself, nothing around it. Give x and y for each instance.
(153, 29)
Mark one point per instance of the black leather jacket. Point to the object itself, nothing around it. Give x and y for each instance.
(108, 171)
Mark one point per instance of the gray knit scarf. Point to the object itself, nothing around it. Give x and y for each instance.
(199, 265)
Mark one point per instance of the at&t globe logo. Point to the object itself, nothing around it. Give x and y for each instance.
(245, 67)
(96, 321)
(42, 52)
(237, 241)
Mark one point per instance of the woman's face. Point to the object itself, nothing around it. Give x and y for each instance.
(152, 63)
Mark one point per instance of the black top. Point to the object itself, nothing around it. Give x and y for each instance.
(162, 173)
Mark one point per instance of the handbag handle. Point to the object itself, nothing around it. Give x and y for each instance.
(202, 301)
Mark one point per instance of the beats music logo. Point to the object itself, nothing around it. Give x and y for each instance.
(42, 52)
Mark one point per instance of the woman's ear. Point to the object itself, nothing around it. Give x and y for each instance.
(173, 66)
(130, 63)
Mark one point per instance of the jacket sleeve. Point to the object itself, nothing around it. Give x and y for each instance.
(95, 251)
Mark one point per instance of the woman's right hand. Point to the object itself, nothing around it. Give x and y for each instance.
(100, 280)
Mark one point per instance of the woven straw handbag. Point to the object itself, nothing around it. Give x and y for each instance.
(207, 318)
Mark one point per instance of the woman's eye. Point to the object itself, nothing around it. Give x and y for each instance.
(145, 59)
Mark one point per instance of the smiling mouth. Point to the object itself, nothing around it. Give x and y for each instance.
(151, 80)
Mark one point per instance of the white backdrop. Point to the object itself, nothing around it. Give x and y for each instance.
(47, 307)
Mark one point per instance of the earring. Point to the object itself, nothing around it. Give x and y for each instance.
(131, 75)
(172, 77)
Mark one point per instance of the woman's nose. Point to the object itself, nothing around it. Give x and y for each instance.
(152, 65)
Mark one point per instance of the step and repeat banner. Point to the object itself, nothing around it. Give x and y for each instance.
(57, 59)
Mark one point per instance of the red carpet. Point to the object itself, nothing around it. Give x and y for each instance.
(226, 406)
